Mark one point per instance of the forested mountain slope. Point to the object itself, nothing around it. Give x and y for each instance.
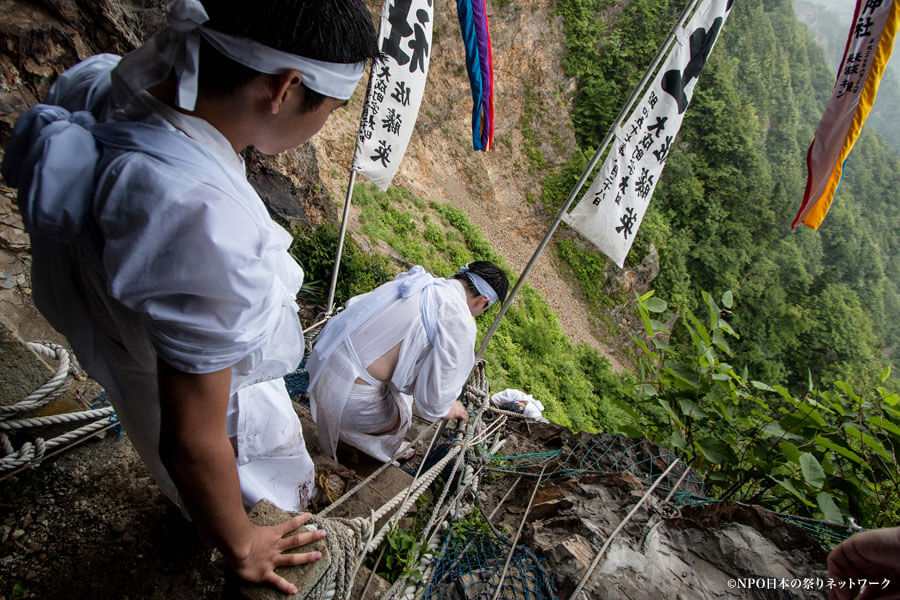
(809, 306)
(829, 22)
(826, 302)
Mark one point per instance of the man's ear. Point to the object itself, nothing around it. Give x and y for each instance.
(281, 86)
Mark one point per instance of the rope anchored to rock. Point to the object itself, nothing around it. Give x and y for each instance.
(31, 453)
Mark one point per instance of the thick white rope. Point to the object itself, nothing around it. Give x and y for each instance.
(84, 415)
(34, 452)
(49, 391)
(378, 472)
(424, 482)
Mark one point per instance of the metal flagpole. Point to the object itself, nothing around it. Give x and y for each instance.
(663, 52)
(340, 247)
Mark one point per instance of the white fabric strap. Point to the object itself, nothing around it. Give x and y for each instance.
(178, 46)
(483, 287)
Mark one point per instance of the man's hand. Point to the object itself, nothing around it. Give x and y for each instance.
(870, 555)
(195, 449)
(269, 549)
(457, 411)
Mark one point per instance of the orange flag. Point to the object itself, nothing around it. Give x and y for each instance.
(868, 49)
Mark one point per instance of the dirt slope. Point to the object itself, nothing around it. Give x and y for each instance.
(495, 189)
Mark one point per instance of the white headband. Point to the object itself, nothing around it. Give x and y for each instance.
(483, 287)
(178, 46)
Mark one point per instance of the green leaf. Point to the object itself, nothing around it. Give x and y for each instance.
(656, 305)
(728, 299)
(812, 470)
(645, 317)
(829, 508)
(649, 390)
(843, 451)
(715, 450)
(783, 391)
(682, 372)
(888, 426)
(662, 402)
(724, 325)
(658, 326)
(661, 345)
(678, 440)
(790, 452)
(632, 431)
(790, 487)
(759, 385)
(806, 416)
(868, 441)
(719, 341)
(701, 330)
(647, 351)
(847, 389)
(776, 430)
(886, 373)
(626, 406)
(891, 399)
(690, 408)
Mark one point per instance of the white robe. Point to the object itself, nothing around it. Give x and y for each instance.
(429, 372)
(177, 258)
(533, 408)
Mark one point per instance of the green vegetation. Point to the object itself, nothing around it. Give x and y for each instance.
(828, 452)
(826, 302)
(315, 250)
(536, 160)
(528, 350)
(799, 412)
(401, 549)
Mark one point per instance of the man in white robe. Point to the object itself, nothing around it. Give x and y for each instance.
(411, 340)
(527, 404)
(159, 262)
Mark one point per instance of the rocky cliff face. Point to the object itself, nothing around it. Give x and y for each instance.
(106, 497)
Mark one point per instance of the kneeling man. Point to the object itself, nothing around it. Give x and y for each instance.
(409, 340)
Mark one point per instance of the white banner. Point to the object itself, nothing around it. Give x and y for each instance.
(612, 209)
(395, 89)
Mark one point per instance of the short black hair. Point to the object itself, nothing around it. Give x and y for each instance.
(491, 273)
(339, 31)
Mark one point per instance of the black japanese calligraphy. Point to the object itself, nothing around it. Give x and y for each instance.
(674, 81)
(864, 27)
(401, 93)
(607, 184)
(382, 153)
(627, 223)
(392, 121)
(398, 17)
(644, 184)
(659, 126)
(419, 45)
(663, 150)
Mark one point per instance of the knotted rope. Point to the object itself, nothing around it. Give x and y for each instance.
(346, 540)
(51, 390)
(31, 453)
